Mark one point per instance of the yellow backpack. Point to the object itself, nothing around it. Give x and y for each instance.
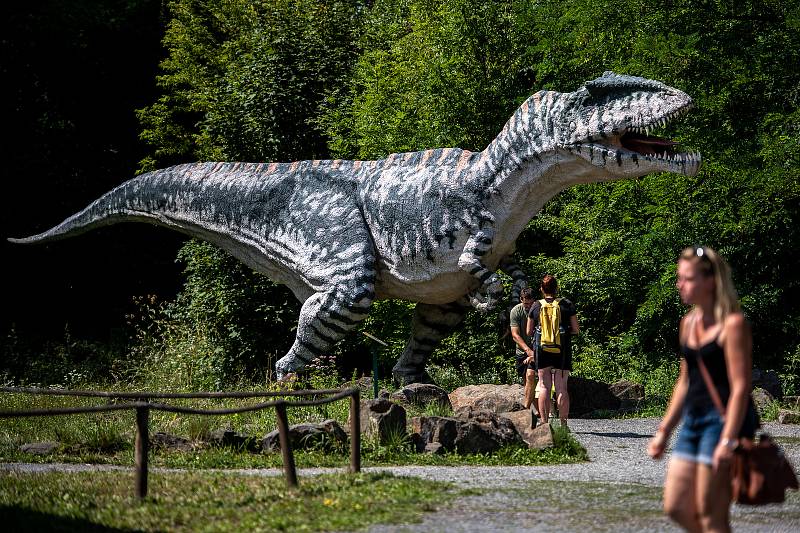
(550, 325)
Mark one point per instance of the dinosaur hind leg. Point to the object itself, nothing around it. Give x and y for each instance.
(431, 324)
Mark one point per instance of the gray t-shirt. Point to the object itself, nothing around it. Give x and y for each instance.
(519, 319)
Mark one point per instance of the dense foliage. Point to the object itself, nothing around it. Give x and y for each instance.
(300, 79)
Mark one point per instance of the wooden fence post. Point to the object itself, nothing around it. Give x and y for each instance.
(286, 445)
(355, 432)
(142, 445)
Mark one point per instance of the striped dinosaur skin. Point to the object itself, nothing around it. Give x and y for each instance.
(431, 227)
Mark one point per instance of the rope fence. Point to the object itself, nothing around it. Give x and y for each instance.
(143, 406)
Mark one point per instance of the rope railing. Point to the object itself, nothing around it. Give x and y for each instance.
(143, 409)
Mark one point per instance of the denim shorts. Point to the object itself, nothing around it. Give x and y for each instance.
(698, 436)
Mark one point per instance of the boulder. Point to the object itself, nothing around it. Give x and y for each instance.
(587, 395)
(792, 402)
(382, 417)
(39, 448)
(762, 400)
(226, 437)
(441, 429)
(483, 431)
(421, 394)
(630, 394)
(496, 398)
(536, 437)
(786, 416)
(304, 436)
(434, 448)
(167, 441)
(769, 381)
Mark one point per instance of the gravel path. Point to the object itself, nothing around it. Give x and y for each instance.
(618, 489)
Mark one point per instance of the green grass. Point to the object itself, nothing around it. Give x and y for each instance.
(212, 501)
(107, 438)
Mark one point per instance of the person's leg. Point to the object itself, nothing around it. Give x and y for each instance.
(543, 388)
(562, 396)
(680, 502)
(713, 486)
(530, 387)
(714, 498)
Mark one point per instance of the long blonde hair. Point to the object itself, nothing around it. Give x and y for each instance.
(710, 263)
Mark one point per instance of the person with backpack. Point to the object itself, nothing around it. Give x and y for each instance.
(551, 323)
(524, 346)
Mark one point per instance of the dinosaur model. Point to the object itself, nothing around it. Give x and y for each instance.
(431, 227)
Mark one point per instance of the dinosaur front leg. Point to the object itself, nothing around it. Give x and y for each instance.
(490, 290)
(511, 268)
(431, 324)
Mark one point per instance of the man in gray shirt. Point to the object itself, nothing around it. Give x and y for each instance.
(526, 367)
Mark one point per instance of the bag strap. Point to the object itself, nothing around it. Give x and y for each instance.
(712, 390)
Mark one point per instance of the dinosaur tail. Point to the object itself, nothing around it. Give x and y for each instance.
(183, 198)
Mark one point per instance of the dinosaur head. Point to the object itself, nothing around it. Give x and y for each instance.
(608, 120)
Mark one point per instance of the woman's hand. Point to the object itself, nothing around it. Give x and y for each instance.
(658, 444)
(723, 453)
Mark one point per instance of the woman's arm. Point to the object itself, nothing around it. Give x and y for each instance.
(673, 414)
(738, 346)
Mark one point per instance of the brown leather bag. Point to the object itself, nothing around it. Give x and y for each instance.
(760, 472)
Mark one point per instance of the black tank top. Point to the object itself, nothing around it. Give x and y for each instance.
(712, 354)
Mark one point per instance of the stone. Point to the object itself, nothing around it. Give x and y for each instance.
(435, 448)
(786, 416)
(630, 394)
(441, 429)
(306, 436)
(383, 418)
(792, 402)
(522, 423)
(762, 400)
(226, 437)
(422, 394)
(40, 448)
(496, 398)
(769, 381)
(587, 395)
(483, 431)
(166, 441)
(541, 437)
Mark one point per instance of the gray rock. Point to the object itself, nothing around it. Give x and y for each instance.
(769, 381)
(788, 417)
(225, 437)
(630, 394)
(306, 436)
(434, 448)
(533, 438)
(443, 430)
(496, 398)
(166, 441)
(422, 394)
(40, 448)
(588, 395)
(762, 399)
(482, 431)
(383, 418)
(792, 402)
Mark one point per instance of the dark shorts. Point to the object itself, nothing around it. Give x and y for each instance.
(701, 431)
(554, 360)
(523, 367)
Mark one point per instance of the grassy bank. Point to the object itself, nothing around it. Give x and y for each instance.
(203, 501)
(107, 438)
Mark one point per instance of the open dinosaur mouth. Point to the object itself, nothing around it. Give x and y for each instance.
(647, 145)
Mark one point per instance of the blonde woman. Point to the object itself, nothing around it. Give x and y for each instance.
(697, 493)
